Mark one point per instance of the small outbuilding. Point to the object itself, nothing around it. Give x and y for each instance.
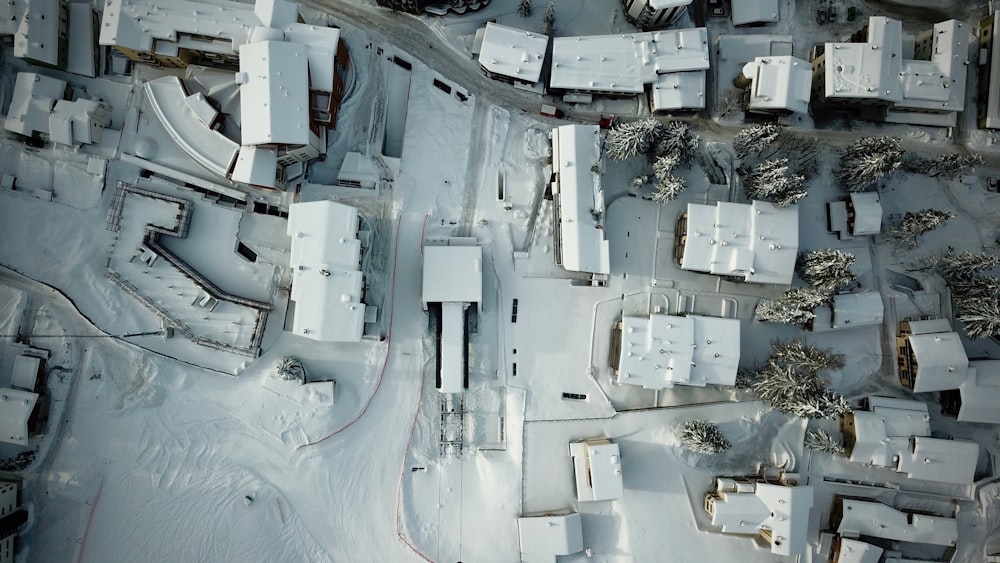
(544, 538)
(597, 468)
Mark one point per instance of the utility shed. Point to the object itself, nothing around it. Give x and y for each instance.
(24, 376)
(598, 470)
(857, 309)
(544, 538)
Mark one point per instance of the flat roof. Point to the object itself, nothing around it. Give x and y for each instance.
(543, 538)
(575, 152)
(326, 282)
(867, 213)
(274, 91)
(453, 274)
(941, 460)
(941, 361)
(755, 11)
(209, 148)
(854, 551)
(321, 51)
(25, 372)
(938, 84)
(135, 24)
(867, 70)
(874, 519)
(37, 37)
(857, 309)
(980, 393)
(678, 90)
(513, 52)
(453, 368)
(15, 409)
(660, 351)
(625, 63)
(757, 241)
(779, 83)
(256, 166)
(32, 101)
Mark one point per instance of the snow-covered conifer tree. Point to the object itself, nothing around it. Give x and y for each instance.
(797, 392)
(822, 441)
(668, 188)
(963, 264)
(868, 160)
(826, 270)
(676, 139)
(701, 436)
(628, 139)
(752, 140)
(807, 357)
(949, 165)
(771, 181)
(795, 307)
(290, 368)
(524, 8)
(980, 317)
(907, 232)
(974, 287)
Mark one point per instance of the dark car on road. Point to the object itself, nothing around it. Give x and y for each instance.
(821, 16)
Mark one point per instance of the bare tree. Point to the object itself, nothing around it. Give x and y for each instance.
(867, 161)
(826, 270)
(668, 188)
(907, 232)
(549, 19)
(701, 436)
(821, 441)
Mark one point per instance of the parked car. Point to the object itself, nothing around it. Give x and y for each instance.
(821, 15)
(832, 14)
(852, 13)
(551, 111)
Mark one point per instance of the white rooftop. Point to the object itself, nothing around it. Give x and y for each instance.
(513, 52)
(782, 510)
(936, 459)
(755, 11)
(15, 409)
(882, 433)
(874, 519)
(625, 63)
(678, 90)
(575, 151)
(660, 351)
(32, 101)
(543, 538)
(453, 274)
(598, 470)
(854, 551)
(256, 166)
(867, 213)
(321, 50)
(941, 360)
(452, 366)
(758, 241)
(938, 84)
(25, 372)
(857, 309)
(274, 76)
(326, 282)
(37, 36)
(779, 83)
(867, 70)
(980, 393)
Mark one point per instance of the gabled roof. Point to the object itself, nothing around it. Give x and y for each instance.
(678, 90)
(980, 393)
(513, 52)
(37, 36)
(876, 520)
(941, 361)
(779, 83)
(867, 70)
(867, 213)
(944, 461)
(135, 24)
(854, 551)
(782, 510)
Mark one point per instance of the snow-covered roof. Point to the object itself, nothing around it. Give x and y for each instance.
(513, 52)
(543, 538)
(901, 417)
(882, 433)
(782, 510)
(135, 24)
(37, 36)
(779, 83)
(991, 115)
(598, 470)
(757, 241)
(80, 121)
(980, 393)
(327, 284)
(321, 51)
(867, 213)
(25, 372)
(755, 11)
(208, 147)
(358, 168)
(575, 152)
(854, 551)
(936, 459)
(938, 84)
(274, 76)
(15, 409)
(276, 13)
(81, 58)
(874, 519)
(452, 363)
(941, 361)
(857, 309)
(256, 166)
(660, 351)
(678, 90)
(929, 326)
(453, 274)
(624, 64)
(32, 102)
(867, 70)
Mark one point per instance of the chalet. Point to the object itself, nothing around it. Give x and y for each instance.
(660, 351)
(756, 242)
(546, 537)
(578, 198)
(453, 294)
(858, 215)
(849, 310)
(513, 55)
(651, 14)
(597, 468)
(855, 518)
(327, 283)
(775, 513)
(779, 85)
(930, 356)
(977, 399)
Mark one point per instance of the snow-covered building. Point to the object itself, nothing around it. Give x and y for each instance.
(12, 516)
(452, 290)
(624, 65)
(578, 200)
(678, 91)
(776, 514)
(854, 518)
(778, 84)
(895, 433)
(977, 399)
(39, 108)
(649, 14)
(39, 29)
(846, 550)
(746, 12)
(24, 375)
(858, 215)
(660, 351)
(544, 538)
(513, 55)
(850, 310)
(597, 469)
(327, 283)
(988, 91)
(17, 409)
(757, 242)
(930, 356)
(358, 171)
(925, 86)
